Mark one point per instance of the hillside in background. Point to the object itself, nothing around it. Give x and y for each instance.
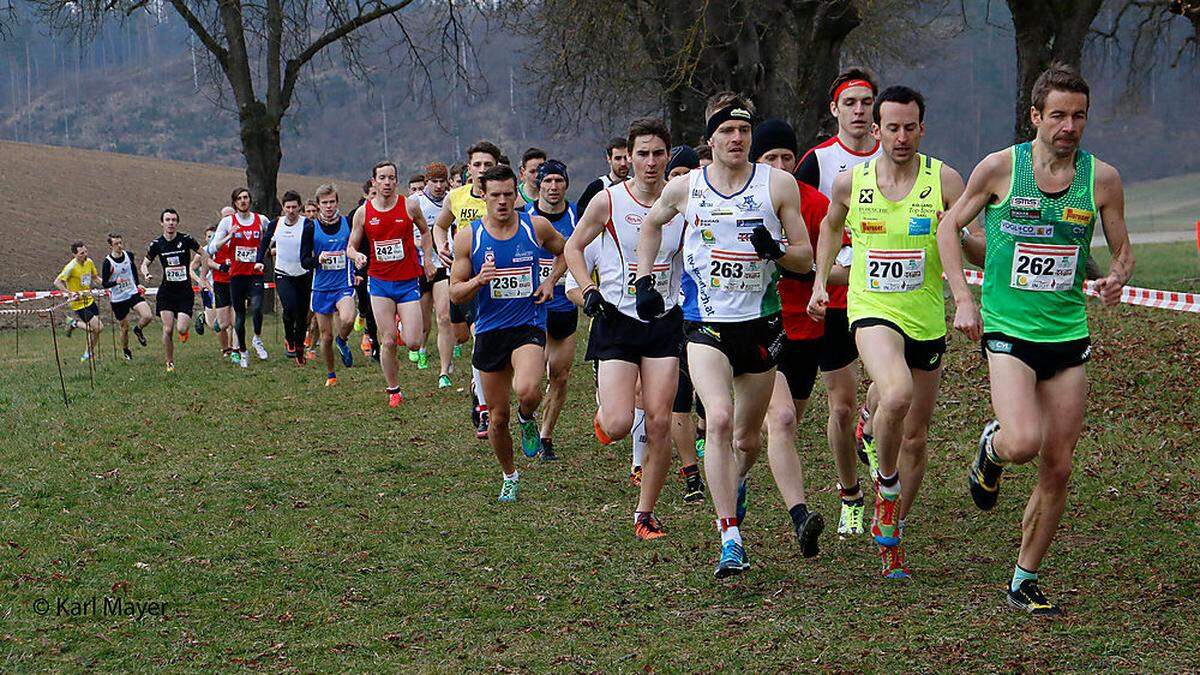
(54, 196)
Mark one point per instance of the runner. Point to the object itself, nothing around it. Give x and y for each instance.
(456, 174)
(527, 175)
(617, 155)
(416, 183)
(243, 230)
(323, 250)
(1041, 202)
(311, 210)
(499, 253)
(633, 341)
(851, 96)
(737, 212)
(895, 305)
(562, 319)
(76, 279)
(175, 298)
(220, 258)
(370, 339)
(435, 292)
(203, 279)
(125, 292)
(384, 227)
(775, 145)
(462, 206)
(293, 282)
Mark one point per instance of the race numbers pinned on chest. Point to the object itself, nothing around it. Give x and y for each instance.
(661, 273)
(1044, 267)
(736, 272)
(175, 273)
(895, 270)
(389, 250)
(511, 283)
(245, 254)
(335, 261)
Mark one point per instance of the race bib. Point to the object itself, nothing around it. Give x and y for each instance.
(175, 273)
(734, 272)
(895, 271)
(389, 250)
(337, 261)
(85, 280)
(245, 254)
(1044, 267)
(123, 287)
(662, 278)
(545, 267)
(511, 283)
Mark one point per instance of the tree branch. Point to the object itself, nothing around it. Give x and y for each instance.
(197, 27)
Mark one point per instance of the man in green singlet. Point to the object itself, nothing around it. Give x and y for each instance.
(1041, 202)
(897, 314)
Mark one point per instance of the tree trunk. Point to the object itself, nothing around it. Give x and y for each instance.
(823, 26)
(261, 148)
(1045, 31)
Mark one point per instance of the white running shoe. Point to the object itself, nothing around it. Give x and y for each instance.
(244, 361)
(258, 348)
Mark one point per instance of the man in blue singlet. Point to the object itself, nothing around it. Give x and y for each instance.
(323, 250)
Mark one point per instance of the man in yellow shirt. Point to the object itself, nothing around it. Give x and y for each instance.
(76, 279)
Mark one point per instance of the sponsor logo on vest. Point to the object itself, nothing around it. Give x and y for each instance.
(1026, 208)
(925, 192)
(919, 226)
(999, 346)
(1040, 230)
(722, 212)
(872, 227)
(1077, 216)
(708, 237)
(749, 222)
(749, 203)
(866, 196)
(634, 219)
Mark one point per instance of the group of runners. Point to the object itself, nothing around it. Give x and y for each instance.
(719, 281)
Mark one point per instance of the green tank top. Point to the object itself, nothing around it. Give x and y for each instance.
(1037, 245)
(897, 272)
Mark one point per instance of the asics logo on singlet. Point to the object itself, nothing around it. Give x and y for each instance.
(999, 346)
(866, 196)
(925, 192)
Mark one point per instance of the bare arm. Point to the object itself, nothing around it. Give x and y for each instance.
(463, 286)
(441, 230)
(586, 230)
(670, 203)
(829, 242)
(798, 255)
(1110, 199)
(418, 218)
(356, 236)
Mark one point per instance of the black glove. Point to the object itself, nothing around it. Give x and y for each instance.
(649, 301)
(224, 269)
(594, 304)
(765, 245)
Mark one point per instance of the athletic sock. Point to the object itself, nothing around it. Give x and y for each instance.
(845, 494)
(393, 390)
(521, 418)
(1020, 574)
(990, 450)
(476, 384)
(511, 476)
(330, 375)
(729, 530)
(638, 514)
(889, 486)
(639, 437)
(690, 470)
(798, 513)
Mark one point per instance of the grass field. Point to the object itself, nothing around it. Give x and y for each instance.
(1171, 267)
(285, 525)
(1166, 204)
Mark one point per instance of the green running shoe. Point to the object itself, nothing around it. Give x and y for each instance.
(868, 444)
(413, 356)
(444, 382)
(851, 521)
(422, 360)
(458, 351)
(699, 448)
(508, 490)
(531, 441)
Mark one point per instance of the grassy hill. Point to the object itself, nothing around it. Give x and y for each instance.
(56, 195)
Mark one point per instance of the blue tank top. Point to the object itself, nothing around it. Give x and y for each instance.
(507, 300)
(565, 226)
(337, 273)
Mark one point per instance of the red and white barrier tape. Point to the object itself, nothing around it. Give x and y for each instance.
(1131, 295)
(26, 296)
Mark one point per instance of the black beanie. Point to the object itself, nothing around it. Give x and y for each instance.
(685, 156)
(772, 134)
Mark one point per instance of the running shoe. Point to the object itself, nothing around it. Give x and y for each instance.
(235, 357)
(481, 429)
(983, 478)
(85, 357)
(331, 381)
(422, 360)
(647, 527)
(883, 524)
(359, 324)
(244, 359)
(170, 367)
(635, 476)
(548, 451)
(531, 443)
(1028, 597)
(365, 345)
(743, 501)
(288, 350)
(808, 531)
(872, 459)
(72, 324)
(141, 337)
(508, 490)
(444, 382)
(859, 433)
(458, 351)
(413, 356)
(183, 337)
(395, 398)
(733, 560)
(892, 558)
(850, 523)
(375, 355)
(344, 351)
(700, 448)
(604, 438)
(128, 354)
(693, 487)
(199, 325)
(258, 348)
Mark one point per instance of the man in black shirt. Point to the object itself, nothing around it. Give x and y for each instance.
(175, 295)
(617, 156)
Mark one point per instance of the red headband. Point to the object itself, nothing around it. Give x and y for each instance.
(837, 93)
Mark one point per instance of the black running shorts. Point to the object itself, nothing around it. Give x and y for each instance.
(751, 346)
(122, 309)
(623, 338)
(918, 354)
(561, 325)
(493, 349)
(1046, 359)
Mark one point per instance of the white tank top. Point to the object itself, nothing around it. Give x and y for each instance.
(724, 279)
(122, 274)
(287, 248)
(430, 209)
(617, 260)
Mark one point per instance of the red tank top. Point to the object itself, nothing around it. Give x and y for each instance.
(794, 293)
(389, 241)
(246, 239)
(222, 256)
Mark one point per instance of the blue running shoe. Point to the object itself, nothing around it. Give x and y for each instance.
(733, 560)
(743, 502)
(344, 350)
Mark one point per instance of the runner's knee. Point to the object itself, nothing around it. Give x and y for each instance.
(781, 419)
(616, 423)
(1021, 444)
(895, 400)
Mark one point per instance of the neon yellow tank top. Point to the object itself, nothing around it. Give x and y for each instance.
(897, 273)
(465, 206)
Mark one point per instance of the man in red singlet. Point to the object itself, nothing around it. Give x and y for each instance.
(384, 228)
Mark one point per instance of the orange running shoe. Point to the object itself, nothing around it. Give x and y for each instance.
(395, 398)
(893, 562)
(647, 527)
(183, 337)
(635, 476)
(331, 382)
(365, 344)
(604, 438)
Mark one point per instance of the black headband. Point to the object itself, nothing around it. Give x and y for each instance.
(730, 112)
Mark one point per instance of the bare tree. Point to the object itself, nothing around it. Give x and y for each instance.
(261, 49)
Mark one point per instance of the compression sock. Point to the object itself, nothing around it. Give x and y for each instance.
(1020, 574)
